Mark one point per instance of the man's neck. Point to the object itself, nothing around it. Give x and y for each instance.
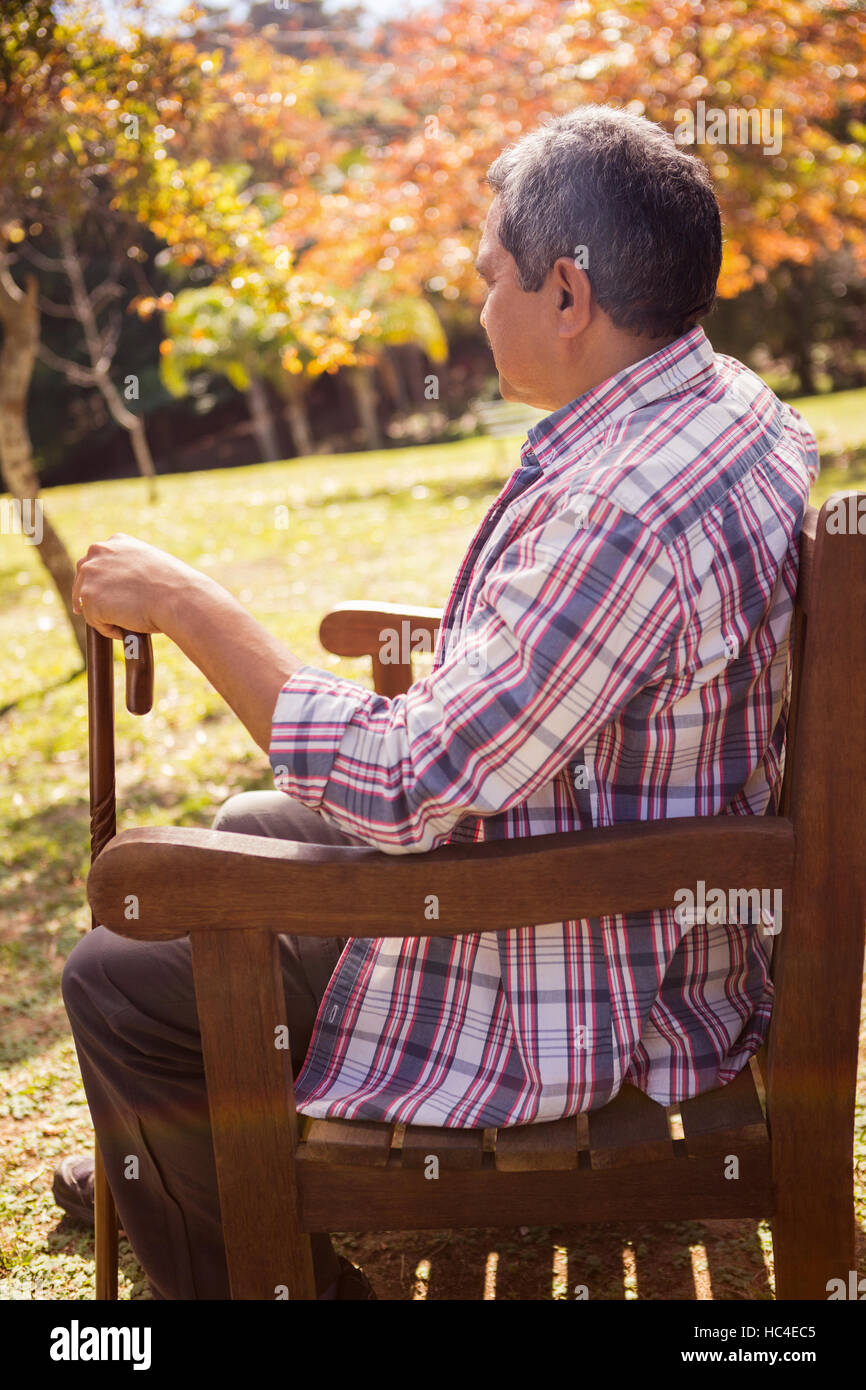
(607, 359)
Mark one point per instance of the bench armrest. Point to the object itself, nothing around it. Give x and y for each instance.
(188, 880)
(387, 632)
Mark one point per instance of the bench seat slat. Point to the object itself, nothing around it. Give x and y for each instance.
(454, 1148)
(346, 1141)
(529, 1148)
(630, 1129)
(728, 1115)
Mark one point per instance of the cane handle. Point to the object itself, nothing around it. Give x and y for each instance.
(138, 660)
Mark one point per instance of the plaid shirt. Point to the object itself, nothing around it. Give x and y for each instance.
(615, 648)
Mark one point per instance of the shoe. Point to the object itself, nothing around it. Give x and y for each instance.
(73, 1188)
(73, 1193)
(353, 1282)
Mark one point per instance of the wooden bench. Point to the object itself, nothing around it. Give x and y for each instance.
(788, 1118)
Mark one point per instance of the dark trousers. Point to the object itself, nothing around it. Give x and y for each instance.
(132, 1008)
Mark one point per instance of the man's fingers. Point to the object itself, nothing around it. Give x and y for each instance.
(106, 629)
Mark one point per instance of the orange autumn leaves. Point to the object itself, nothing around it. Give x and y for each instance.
(318, 191)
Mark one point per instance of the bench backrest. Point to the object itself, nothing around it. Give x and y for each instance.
(817, 965)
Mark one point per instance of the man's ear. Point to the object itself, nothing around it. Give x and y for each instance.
(573, 296)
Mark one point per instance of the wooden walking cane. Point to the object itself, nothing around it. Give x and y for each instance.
(138, 655)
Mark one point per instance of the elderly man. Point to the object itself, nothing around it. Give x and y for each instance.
(615, 648)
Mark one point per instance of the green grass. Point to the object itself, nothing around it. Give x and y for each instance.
(391, 525)
(839, 420)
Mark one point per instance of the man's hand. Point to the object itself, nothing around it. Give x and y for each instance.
(126, 584)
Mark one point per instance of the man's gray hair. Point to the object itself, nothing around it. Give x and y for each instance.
(615, 193)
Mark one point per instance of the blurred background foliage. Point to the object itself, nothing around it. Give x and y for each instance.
(223, 216)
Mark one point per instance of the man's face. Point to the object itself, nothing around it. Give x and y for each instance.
(519, 325)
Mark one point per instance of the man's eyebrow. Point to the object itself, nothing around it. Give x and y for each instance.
(482, 266)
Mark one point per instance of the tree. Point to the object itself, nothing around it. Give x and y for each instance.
(217, 329)
(261, 319)
(264, 324)
(100, 340)
(467, 78)
(800, 63)
(24, 47)
(301, 28)
(60, 79)
(388, 321)
(19, 315)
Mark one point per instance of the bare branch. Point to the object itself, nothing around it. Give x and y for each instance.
(73, 371)
(110, 339)
(41, 261)
(145, 289)
(58, 311)
(103, 294)
(80, 297)
(10, 292)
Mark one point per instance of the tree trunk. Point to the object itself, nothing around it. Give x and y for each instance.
(297, 416)
(802, 296)
(801, 354)
(390, 365)
(134, 427)
(19, 315)
(262, 416)
(804, 370)
(417, 371)
(362, 383)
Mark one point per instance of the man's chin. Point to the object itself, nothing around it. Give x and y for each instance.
(507, 391)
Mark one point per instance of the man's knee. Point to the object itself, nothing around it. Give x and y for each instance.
(249, 813)
(82, 973)
(110, 976)
(279, 816)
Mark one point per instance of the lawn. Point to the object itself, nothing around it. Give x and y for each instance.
(839, 422)
(289, 540)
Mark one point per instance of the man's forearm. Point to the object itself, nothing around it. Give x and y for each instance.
(244, 663)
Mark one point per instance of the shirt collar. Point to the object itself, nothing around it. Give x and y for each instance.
(664, 373)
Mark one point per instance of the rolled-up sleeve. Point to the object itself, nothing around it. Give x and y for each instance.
(572, 619)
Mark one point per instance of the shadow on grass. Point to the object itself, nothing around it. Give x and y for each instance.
(46, 690)
(487, 486)
(649, 1261)
(44, 910)
(689, 1261)
(70, 1237)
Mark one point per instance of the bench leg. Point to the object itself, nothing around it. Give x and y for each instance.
(240, 1005)
(813, 1227)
